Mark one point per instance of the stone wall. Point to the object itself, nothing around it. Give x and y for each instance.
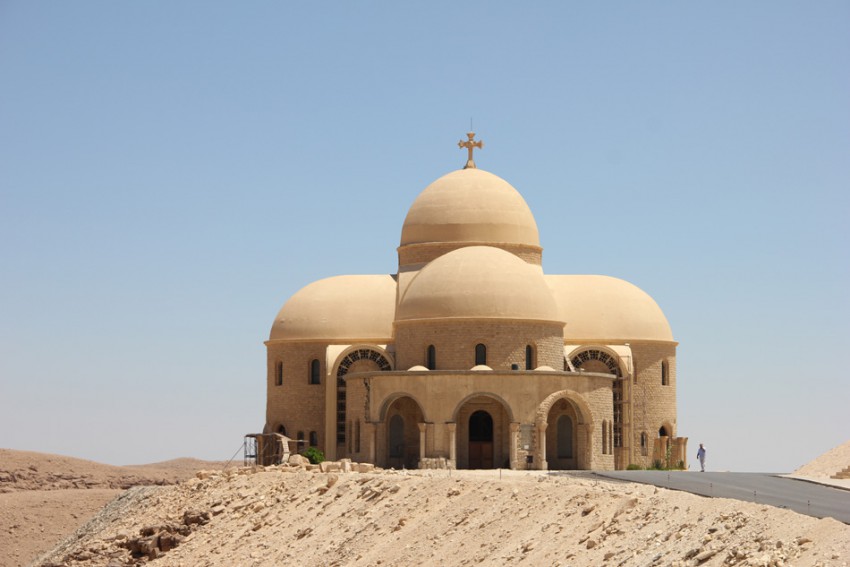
(455, 341)
(296, 404)
(653, 405)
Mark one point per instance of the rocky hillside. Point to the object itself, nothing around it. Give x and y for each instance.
(27, 470)
(290, 515)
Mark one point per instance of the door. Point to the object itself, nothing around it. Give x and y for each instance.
(480, 440)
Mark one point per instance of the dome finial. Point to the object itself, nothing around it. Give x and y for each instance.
(469, 145)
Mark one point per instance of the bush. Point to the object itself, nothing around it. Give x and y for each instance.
(634, 467)
(314, 455)
(658, 465)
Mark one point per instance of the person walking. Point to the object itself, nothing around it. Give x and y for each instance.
(701, 457)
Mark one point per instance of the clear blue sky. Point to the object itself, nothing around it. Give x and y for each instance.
(171, 172)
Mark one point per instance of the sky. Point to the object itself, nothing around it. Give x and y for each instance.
(172, 172)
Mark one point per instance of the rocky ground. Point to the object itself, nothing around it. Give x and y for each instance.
(286, 515)
(44, 497)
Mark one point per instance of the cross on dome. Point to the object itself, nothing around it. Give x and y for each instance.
(470, 144)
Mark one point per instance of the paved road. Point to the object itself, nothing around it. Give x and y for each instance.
(801, 496)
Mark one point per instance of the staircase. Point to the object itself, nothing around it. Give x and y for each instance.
(843, 474)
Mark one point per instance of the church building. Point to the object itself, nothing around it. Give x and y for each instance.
(471, 356)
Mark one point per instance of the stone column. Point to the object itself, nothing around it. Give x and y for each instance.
(422, 427)
(514, 444)
(452, 430)
(541, 446)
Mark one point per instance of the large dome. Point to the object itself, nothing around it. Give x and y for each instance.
(339, 308)
(478, 282)
(471, 206)
(606, 309)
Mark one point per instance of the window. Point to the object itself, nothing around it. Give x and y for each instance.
(665, 374)
(352, 357)
(300, 439)
(480, 354)
(314, 439)
(278, 374)
(315, 377)
(604, 436)
(644, 443)
(281, 429)
(431, 361)
(529, 357)
(565, 437)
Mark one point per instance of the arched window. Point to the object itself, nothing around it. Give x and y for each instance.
(314, 439)
(315, 376)
(431, 361)
(662, 432)
(281, 429)
(396, 436)
(480, 354)
(644, 443)
(665, 376)
(604, 437)
(278, 374)
(300, 439)
(529, 357)
(565, 437)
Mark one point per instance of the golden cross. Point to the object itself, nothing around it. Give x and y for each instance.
(469, 145)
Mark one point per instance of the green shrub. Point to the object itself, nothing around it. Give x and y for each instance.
(658, 465)
(314, 455)
(634, 467)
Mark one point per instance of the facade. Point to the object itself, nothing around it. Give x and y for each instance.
(470, 356)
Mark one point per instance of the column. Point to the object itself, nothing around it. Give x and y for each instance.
(541, 446)
(514, 444)
(452, 429)
(422, 427)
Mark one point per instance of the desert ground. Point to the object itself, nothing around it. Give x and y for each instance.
(195, 513)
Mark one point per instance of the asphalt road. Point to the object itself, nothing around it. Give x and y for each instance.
(804, 497)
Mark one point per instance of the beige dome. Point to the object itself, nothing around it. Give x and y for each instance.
(470, 205)
(342, 307)
(607, 309)
(478, 282)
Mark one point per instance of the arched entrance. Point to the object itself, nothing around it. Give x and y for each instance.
(483, 432)
(402, 421)
(561, 436)
(480, 440)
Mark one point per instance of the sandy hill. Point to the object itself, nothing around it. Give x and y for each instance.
(828, 464)
(291, 515)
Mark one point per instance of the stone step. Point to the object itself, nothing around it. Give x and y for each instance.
(843, 474)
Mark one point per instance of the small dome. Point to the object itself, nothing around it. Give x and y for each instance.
(544, 368)
(478, 282)
(607, 309)
(341, 307)
(417, 368)
(481, 368)
(470, 205)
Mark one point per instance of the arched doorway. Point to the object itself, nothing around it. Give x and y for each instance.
(402, 438)
(483, 432)
(562, 436)
(480, 440)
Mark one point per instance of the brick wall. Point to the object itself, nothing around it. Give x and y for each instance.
(455, 341)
